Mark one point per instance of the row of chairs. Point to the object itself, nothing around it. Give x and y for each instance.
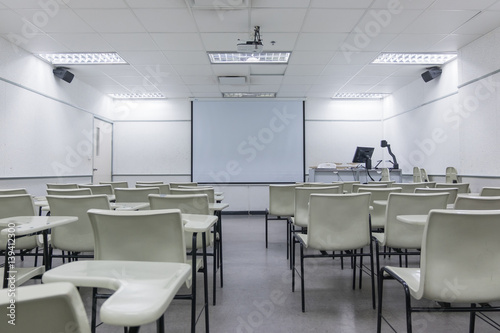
(94, 211)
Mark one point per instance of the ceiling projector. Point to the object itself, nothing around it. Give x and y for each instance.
(251, 46)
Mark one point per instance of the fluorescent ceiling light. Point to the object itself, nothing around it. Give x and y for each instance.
(249, 58)
(359, 96)
(82, 58)
(138, 96)
(249, 95)
(414, 58)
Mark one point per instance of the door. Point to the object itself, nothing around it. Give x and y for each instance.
(103, 132)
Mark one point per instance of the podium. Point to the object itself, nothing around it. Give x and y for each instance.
(328, 175)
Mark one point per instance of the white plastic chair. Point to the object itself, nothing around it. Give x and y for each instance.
(477, 203)
(417, 175)
(117, 184)
(53, 307)
(135, 194)
(451, 175)
(425, 177)
(62, 186)
(164, 188)
(490, 192)
(348, 186)
(12, 191)
(355, 187)
(99, 188)
(459, 262)
(452, 193)
(300, 217)
(75, 237)
(337, 222)
(410, 187)
(403, 236)
(69, 192)
(377, 214)
(149, 235)
(462, 187)
(177, 184)
(209, 191)
(281, 207)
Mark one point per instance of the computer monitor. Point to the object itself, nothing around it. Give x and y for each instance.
(363, 155)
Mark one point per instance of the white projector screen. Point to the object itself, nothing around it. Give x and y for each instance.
(247, 141)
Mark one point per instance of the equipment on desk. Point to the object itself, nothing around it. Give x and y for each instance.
(364, 155)
(395, 164)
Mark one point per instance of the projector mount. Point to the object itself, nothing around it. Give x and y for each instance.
(251, 46)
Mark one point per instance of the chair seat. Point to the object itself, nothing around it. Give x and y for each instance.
(380, 236)
(143, 289)
(25, 274)
(298, 224)
(410, 275)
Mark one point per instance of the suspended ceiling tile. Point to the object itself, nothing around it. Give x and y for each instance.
(166, 20)
(440, 21)
(413, 42)
(267, 69)
(306, 57)
(320, 41)
(144, 57)
(222, 21)
(278, 20)
(331, 20)
(187, 57)
(82, 42)
(130, 41)
(178, 41)
(110, 20)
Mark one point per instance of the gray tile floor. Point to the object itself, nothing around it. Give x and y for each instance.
(257, 294)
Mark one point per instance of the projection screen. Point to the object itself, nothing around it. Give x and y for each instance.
(247, 141)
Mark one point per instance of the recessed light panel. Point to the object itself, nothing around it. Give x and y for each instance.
(414, 58)
(249, 95)
(359, 96)
(249, 58)
(138, 96)
(82, 58)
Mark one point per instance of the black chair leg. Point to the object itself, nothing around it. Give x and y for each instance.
(472, 321)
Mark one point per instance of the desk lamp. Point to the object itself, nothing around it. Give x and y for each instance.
(383, 144)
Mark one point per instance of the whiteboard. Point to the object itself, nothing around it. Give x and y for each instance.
(248, 141)
(40, 136)
(162, 148)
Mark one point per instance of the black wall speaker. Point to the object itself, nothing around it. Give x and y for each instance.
(63, 74)
(432, 73)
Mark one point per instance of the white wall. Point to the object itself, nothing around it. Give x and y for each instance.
(46, 124)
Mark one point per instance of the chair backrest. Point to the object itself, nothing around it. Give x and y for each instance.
(164, 188)
(209, 191)
(150, 182)
(452, 191)
(135, 194)
(78, 236)
(99, 188)
(17, 205)
(50, 307)
(490, 191)
(69, 192)
(340, 185)
(410, 187)
(356, 187)
(425, 177)
(147, 235)
(382, 182)
(339, 221)
(282, 199)
(403, 235)
(461, 256)
(61, 186)
(417, 175)
(385, 175)
(116, 184)
(186, 203)
(302, 196)
(462, 187)
(477, 203)
(348, 186)
(377, 215)
(12, 191)
(177, 184)
(451, 175)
